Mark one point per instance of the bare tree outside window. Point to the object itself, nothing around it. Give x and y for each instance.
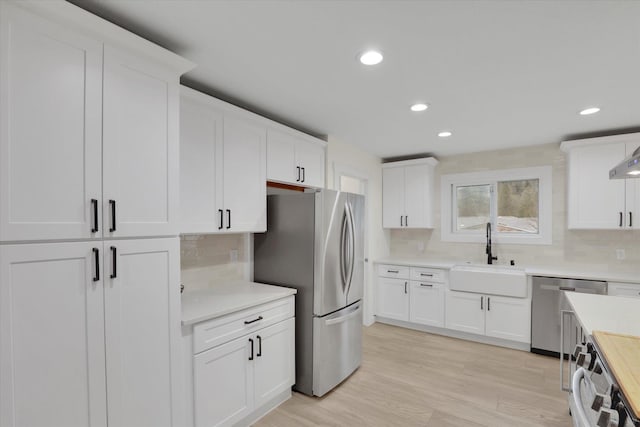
(518, 206)
(474, 207)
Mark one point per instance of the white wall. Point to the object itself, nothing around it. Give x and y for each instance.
(591, 249)
(342, 156)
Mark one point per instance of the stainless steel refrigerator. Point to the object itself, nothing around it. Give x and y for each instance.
(315, 244)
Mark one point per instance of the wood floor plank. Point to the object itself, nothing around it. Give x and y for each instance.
(411, 378)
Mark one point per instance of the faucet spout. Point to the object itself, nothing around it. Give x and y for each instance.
(490, 257)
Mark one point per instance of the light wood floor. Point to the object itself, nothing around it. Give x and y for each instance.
(410, 378)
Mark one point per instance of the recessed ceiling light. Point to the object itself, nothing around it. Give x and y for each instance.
(419, 107)
(590, 110)
(371, 57)
(445, 134)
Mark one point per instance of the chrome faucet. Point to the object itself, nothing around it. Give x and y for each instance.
(490, 257)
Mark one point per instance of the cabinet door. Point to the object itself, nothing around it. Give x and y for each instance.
(281, 163)
(50, 129)
(393, 197)
(274, 365)
(393, 298)
(465, 312)
(417, 196)
(245, 188)
(223, 383)
(426, 303)
(142, 318)
(200, 164)
(51, 336)
(632, 187)
(140, 147)
(508, 318)
(595, 201)
(310, 159)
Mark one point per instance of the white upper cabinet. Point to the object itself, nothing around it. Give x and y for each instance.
(50, 129)
(223, 167)
(79, 115)
(595, 201)
(407, 193)
(140, 132)
(292, 159)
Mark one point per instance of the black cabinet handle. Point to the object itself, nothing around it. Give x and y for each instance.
(114, 257)
(393, 271)
(620, 219)
(630, 220)
(400, 220)
(302, 174)
(251, 355)
(405, 287)
(248, 322)
(426, 285)
(259, 346)
(488, 303)
(426, 275)
(481, 303)
(298, 178)
(94, 206)
(221, 212)
(96, 254)
(112, 203)
(228, 219)
(406, 220)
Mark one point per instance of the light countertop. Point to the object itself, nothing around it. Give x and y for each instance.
(569, 270)
(619, 315)
(218, 300)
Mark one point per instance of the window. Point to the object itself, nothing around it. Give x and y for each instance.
(517, 203)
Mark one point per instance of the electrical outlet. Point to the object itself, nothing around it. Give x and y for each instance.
(620, 254)
(233, 255)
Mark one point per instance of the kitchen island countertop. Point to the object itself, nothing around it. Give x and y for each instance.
(221, 299)
(619, 315)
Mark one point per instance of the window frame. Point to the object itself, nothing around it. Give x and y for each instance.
(450, 182)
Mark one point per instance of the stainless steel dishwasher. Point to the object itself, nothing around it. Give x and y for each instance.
(546, 304)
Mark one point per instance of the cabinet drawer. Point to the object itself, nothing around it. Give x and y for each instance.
(428, 274)
(226, 328)
(397, 271)
(624, 289)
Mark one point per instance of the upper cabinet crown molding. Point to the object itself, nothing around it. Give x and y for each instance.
(567, 146)
(431, 161)
(90, 24)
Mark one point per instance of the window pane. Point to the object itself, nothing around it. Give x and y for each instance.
(473, 204)
(518, 206)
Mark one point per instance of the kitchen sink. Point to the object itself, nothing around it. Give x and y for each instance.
(489, 279)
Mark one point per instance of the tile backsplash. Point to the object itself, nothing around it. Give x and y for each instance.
(595, 248)
(209, 259)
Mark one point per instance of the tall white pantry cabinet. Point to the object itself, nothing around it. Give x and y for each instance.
(89, 254)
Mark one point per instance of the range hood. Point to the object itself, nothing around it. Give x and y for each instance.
(628, 168)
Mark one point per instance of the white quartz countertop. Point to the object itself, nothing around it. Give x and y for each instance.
(569, 270)
(218, 300)
(620, 315)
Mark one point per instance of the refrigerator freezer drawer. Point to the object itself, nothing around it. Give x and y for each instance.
(337, 347)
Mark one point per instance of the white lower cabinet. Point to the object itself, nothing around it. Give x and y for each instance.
(234, 379)
(494, 316)
(87, 333)
(426, 303)
(393, 298)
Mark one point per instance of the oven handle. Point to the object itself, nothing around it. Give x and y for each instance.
(577, 397)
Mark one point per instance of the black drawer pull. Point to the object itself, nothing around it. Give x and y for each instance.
(96, 254)
(426, 285)
(248, 322)
(393, 271)
(94, 206)
(114, 256)
(112, 203)
(426, 275)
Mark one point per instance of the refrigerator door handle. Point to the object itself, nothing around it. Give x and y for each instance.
(352, 245)
(344, 318)
(344, 260)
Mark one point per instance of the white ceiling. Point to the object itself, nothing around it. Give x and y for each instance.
(496, 73)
